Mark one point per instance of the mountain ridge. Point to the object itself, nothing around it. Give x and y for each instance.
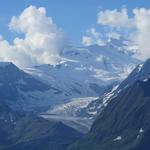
(124, 124)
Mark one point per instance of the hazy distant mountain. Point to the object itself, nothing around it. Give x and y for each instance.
(18, 89)
(85, 72)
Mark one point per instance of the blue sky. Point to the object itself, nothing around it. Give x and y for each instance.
(74, 16)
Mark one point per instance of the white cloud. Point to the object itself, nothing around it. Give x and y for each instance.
(137, 27)
(114, 18)
(113, 35)
(42, 42)
(141, 35)
(92, 37)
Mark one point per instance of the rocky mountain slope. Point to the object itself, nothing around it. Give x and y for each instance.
(124, 124)
(19, 89)
(141, 72)
(24, 131)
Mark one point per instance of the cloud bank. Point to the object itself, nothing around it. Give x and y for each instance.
(135, 28)
(114, 18)
(43, 39)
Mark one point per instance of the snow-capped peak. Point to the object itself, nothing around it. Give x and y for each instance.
(86, 72)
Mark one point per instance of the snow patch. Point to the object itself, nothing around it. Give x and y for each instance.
(118, 138)
(141, 130)
(109, 96)
(140, 67)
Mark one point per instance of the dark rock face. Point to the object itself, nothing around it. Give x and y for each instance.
(124, 124)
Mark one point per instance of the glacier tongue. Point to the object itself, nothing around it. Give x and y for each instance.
(72, 108)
